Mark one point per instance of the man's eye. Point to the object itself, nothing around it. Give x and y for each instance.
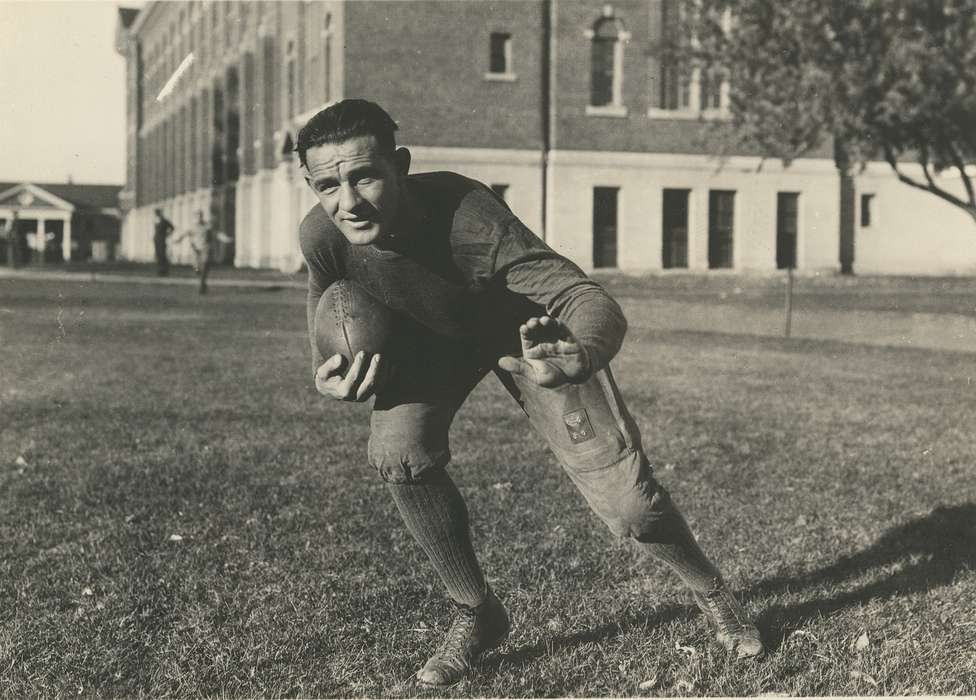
(366, 181)
(328, 189)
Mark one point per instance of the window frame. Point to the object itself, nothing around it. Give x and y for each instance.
(616, 106)
(508, 75)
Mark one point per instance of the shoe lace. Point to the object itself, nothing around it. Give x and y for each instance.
(453, 646)
(724, 610)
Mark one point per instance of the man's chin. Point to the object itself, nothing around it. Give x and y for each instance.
(364, 236)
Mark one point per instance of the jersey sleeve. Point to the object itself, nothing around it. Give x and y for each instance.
(530, 268)
(323, 270)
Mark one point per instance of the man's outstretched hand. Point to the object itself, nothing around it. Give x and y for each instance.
(551, 355)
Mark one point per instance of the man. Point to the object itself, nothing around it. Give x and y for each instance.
(11, 241)
(202, 237)
(485, 294)
(162, 229)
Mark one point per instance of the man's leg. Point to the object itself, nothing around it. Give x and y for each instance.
(596, 440)
(203, 266)
(408, 446)
(162, 261)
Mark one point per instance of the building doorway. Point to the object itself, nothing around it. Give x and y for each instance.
(721, 217)
(674, 227)
(605, 226)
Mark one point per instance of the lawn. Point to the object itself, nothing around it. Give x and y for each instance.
(181, 514)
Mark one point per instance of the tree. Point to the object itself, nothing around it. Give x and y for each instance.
(885, 79)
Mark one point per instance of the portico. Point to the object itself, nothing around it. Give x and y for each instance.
(59, 222)
(42, 218)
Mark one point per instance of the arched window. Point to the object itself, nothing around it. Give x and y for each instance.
(607, 38)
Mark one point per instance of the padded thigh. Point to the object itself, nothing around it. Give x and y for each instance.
(586, 425)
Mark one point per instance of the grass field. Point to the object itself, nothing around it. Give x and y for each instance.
(181, 515)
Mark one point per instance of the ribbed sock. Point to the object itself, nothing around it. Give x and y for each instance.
(437, 517)
(677, 547)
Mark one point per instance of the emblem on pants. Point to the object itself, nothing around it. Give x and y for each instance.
(578, 425)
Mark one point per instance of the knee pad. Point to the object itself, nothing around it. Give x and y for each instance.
(402, 463)
(629, 499)
(408, 439)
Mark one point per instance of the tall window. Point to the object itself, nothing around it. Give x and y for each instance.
(327, 57)
(500, 53)
(290, 79)
(681, 88)
(268, 96)
(674, 225)
(605, 226)
(606, 62)
(866, 214)
(721, 218)
(787, 217)
(674, 79)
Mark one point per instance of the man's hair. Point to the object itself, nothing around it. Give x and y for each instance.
(345, 120)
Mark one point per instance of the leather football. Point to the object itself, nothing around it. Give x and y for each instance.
(349, 319)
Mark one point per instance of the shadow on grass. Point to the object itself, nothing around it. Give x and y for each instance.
(920, 555)
(523, 655)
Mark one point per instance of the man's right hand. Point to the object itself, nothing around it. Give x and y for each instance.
(360, 381)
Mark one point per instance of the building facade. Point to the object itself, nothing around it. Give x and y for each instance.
(58, 222)
(569, 108)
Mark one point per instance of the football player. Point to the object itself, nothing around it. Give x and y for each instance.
(489, 296)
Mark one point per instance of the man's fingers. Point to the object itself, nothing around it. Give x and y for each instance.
(329, 367)
(368, 385)
(537, 328)
(541, 351)
(352, 377)
(514, 365)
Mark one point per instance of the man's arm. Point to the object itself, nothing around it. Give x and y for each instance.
(365, 375)
(587, 315)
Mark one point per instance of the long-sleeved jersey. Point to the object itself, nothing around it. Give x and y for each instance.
(469, 271)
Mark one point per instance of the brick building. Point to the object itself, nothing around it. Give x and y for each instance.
(567, 107)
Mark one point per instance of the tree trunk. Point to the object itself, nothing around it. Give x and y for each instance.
(846, 208)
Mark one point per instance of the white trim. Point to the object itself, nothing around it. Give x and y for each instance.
(40, 193)
(501, 77)
(37, 214)
(500, 156)
(668, 161)
(610, 110)
(660, 113)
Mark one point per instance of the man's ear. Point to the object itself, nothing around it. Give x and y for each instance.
(401, 159)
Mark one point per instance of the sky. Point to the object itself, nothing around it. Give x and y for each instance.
(62, 92)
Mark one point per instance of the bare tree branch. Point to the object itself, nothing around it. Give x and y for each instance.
(964, 176)
(930, 187)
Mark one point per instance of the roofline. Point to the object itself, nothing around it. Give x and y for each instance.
(143, 16)
(42, 193)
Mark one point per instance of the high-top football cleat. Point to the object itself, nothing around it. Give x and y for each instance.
(733, 628)
(474, 631)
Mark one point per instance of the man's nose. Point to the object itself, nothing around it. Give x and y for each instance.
(349, 198)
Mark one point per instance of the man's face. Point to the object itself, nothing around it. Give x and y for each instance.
(358, 186)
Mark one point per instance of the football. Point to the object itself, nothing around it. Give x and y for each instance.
(349, 319)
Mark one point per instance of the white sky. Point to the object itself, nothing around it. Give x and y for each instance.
(62, 92)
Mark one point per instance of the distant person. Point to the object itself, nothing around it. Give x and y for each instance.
(10, 240)
(163, 228)
(203, 236)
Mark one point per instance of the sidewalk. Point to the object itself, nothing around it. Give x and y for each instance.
(143, 273)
